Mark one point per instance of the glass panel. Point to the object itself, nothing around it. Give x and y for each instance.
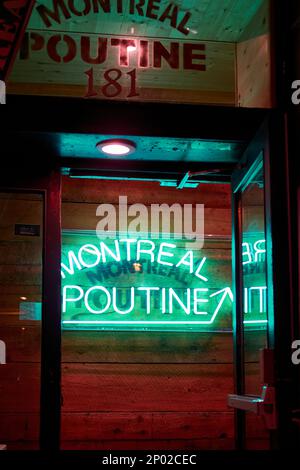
(159, 384)
(21, 246)
(254, 294)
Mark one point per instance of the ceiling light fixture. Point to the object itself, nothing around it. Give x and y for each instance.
(116, 147)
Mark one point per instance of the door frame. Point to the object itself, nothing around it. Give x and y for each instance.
(271, 140)
(271, 137)
(49, 186)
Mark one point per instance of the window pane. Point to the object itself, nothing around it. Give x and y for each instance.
(21, 245)
(145, 386)
(254, 297)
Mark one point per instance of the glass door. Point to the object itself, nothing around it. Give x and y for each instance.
(145, 372)
(254, 398)
(29, 311)
(21, 255)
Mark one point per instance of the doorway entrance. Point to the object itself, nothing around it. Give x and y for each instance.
(152, 384)
(174, 364)
(146, 321)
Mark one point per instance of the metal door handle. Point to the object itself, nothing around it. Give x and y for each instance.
(263, 405)
(245, 402)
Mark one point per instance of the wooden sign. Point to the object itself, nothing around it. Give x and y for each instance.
(137, 50)
(14, 15)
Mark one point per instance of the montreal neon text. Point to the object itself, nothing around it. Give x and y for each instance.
(193, 303)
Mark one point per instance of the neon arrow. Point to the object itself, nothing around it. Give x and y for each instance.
(226, 291)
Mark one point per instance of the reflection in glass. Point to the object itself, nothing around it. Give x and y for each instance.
(21, 246)
(254, 292)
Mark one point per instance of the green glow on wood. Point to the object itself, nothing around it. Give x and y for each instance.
(146, 284)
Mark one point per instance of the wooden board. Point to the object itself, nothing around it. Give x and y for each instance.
(56, 57)
(135, 429)
(148, 387)
(254, 62)
(20, 388)
(165, 84)
(53, 65)
(23, 345)
(254, 73)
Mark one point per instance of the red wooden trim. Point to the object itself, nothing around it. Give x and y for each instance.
(14, 17)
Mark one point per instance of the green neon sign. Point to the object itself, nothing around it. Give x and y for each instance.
(147, 284)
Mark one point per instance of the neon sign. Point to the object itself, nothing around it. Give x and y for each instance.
(90, 255)
(141, 284)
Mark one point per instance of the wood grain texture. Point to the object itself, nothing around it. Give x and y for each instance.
(154, 347)
(122, 426)
(220, 23)
(211, 195)
(254, 62)
(84, 427)
(150, 387)
(254, 73)
(19, 388)
(23, 345)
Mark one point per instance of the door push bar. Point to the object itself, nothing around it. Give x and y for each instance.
(2, 352)
(263, 405)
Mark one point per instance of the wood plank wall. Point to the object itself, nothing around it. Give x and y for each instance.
(120, 390)
(149, 390)
(254, 67)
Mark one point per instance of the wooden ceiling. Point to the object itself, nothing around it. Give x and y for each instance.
(57, 68)
(211, 20)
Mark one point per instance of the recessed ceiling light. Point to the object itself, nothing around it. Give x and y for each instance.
(117, 147)
(23, 298)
